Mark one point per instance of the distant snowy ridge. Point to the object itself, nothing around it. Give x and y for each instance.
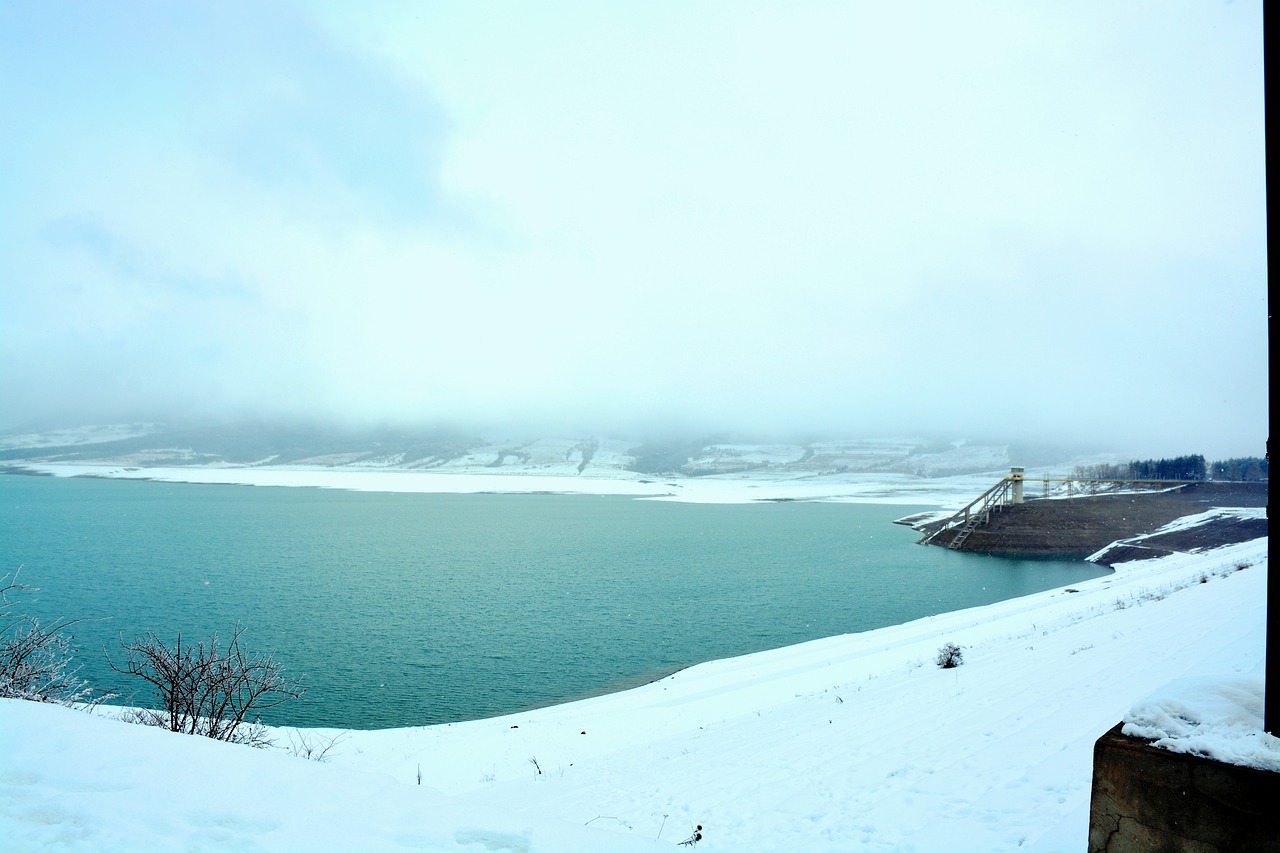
(151, 445)
(76, 437)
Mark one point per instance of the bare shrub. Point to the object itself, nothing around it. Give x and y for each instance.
(206, 689)
(315, 747)
(950, 656)
(35, 658)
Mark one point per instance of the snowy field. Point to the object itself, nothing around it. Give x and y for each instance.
(857, 742)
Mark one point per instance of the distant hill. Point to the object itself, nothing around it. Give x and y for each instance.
(158, 445)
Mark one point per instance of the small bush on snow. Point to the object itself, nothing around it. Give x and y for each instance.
(208, 689)
(950, 656)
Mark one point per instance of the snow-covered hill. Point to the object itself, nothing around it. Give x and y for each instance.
(152, 445)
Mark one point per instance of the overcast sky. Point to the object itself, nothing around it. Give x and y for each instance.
(1036, 220)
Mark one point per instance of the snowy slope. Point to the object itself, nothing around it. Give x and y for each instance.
(75, 436)
(856, 742)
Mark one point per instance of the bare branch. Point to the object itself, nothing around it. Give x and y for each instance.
(35, 658)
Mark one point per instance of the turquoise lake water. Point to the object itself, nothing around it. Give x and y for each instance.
(407, 609)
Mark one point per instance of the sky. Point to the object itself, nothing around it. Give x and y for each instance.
(1041, 221)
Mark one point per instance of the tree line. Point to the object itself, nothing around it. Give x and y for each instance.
(1191, 467)
(1246, 469)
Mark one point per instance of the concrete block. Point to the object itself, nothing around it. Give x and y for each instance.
(1150, 799)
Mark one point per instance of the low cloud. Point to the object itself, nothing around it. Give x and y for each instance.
(1033, 222)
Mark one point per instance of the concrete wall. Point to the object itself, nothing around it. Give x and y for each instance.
(1150, 799)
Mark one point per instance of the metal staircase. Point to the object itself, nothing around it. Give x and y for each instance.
(975, 513)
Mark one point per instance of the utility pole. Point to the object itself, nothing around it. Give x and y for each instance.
(1271, 676)
(1271, 684)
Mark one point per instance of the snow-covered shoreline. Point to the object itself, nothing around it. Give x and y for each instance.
(727, 489)
(856, 742)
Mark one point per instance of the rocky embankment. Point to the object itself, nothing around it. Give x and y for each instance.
(1080, 526)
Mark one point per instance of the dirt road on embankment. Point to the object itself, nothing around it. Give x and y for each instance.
(1077, 527)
